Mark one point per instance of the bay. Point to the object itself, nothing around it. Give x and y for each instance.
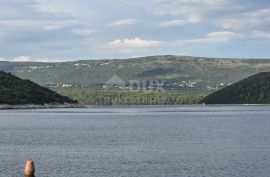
(149, 141)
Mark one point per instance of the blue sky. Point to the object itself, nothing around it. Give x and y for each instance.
(59, 30)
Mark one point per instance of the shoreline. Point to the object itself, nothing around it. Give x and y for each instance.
(66, 105)
(45, 106)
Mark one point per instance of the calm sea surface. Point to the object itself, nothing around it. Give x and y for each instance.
(188, 141)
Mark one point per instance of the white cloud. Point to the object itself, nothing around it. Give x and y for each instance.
(247, 21)
(134, 43)
(29, 59)
(130, 47)
(48, 60)
(173, 23)
(22, 59)
(224, 35)
(214, 37)
(123, 23)
(2, 59)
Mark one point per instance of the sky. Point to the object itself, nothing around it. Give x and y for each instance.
(62, 30)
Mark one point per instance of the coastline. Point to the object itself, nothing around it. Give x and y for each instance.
(45, 106)
(66, 105)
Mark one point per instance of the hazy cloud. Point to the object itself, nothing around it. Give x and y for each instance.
(213, 37)
(175, 23)
(59, 8)
(22, 59)
(36, 24)
(84, 32)
(28, 58)
(123, 23)
(262, 34)
(189, 8)
(257, 19)
(52, 29)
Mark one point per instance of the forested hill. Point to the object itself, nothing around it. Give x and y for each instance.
(253, 90)
(16, 91)
(173, 69)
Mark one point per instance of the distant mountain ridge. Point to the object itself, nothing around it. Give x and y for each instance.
(16, 91)
(173, 69)
(252, 90)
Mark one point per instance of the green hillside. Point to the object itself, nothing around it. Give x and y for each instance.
(127, 97)
(16, 91)
(253, 90)
(172, 69)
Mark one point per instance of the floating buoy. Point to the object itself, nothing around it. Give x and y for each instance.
(29, 168)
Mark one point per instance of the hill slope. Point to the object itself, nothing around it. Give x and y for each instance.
(16, 91)
(253, 90)
(94, 73)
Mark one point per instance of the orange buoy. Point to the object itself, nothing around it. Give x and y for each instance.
(29, 168)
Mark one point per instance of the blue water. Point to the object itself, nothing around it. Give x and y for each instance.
(190, 141)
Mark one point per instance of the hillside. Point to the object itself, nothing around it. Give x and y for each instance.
(126, 97)
(195, 73)
(253, 90)
(16, 91)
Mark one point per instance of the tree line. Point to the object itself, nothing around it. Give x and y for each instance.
(126, 97)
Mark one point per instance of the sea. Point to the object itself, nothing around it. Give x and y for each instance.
(137, 141)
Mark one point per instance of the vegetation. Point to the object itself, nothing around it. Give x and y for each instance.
(87, 77)
(253, 90)
(15, 91)
(169, 68)
(126, 97)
